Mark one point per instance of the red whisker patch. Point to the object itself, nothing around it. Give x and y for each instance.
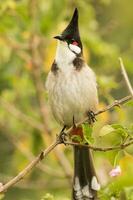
(75, 43)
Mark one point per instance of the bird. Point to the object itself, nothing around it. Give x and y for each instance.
(72, 91)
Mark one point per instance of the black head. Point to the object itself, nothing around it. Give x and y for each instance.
(71, 33)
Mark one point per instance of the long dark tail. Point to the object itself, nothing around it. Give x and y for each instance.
(85, 184)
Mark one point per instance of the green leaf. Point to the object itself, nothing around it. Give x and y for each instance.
(107, 129)
(121, 130)
(87, 131)
(116, 126)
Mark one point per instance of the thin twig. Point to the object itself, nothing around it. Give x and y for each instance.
(116, 103)
(124, 73)
(94, 148)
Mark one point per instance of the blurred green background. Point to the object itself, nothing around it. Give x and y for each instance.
(27, 50)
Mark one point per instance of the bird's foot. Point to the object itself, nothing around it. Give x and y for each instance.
(91, 117)
(62, 135)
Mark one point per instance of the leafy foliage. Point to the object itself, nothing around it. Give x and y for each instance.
(87, 130)
(26, 124)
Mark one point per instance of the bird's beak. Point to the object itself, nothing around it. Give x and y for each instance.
(58, 37)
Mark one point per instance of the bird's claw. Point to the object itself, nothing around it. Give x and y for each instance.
(62, 136)
(91, 116)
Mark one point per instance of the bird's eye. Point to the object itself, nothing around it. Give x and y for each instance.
(74, 43)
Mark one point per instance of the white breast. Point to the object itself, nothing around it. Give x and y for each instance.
(72, 93)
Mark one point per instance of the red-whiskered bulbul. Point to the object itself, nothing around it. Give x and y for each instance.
(72, 90)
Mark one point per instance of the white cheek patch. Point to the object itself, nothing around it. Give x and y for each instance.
(75, 48)
(94, 184)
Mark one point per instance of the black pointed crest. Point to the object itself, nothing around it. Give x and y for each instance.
(72, 30)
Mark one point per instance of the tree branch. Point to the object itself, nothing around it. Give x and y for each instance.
(124, 73)
(94, 148)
